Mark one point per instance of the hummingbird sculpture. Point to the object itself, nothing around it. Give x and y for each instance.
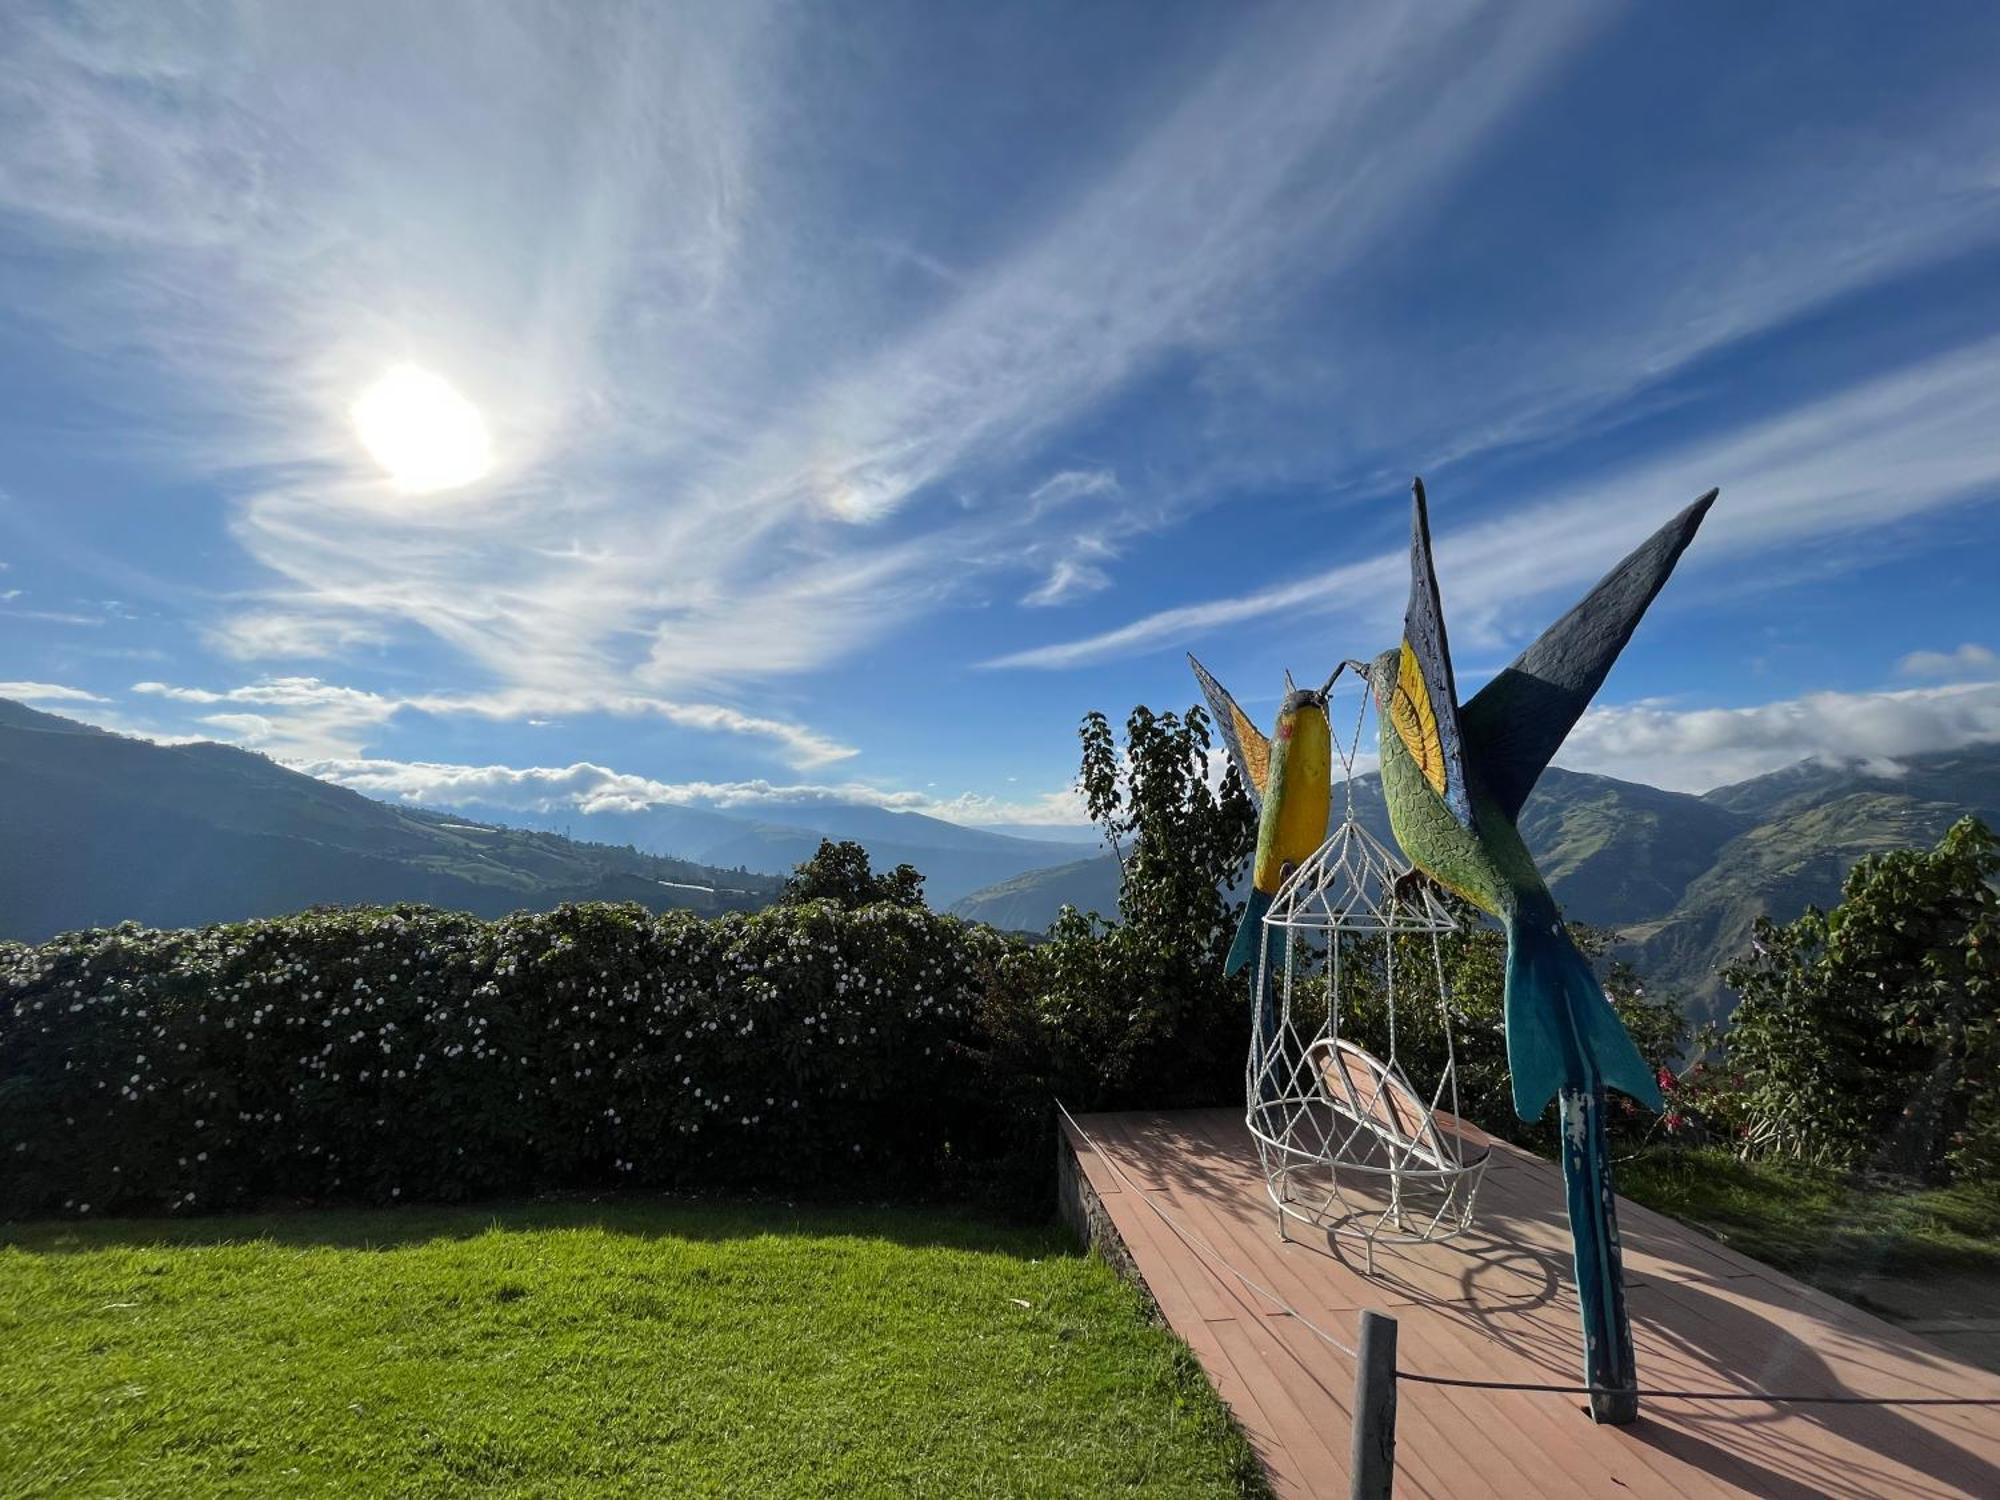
(1455, 779)
(1290, 779)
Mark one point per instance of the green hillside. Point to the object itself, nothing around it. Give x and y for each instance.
(1797, 855)
(1682, 878)
(1029, 902)
(99, 828)
(1616, 852)
(955, 860)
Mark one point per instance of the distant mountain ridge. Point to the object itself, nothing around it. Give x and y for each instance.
(1807, 825)
(1682, 878)
(955, 860)
(99, 828)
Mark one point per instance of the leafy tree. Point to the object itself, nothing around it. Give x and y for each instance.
(1179, 841)
(1137, 1011)
(1869, 1035)
(839, 872)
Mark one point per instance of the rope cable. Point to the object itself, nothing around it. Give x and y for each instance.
(1788, 1398)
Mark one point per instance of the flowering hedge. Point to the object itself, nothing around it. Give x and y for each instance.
(406, 1053)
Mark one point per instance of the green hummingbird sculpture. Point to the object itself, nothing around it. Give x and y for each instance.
(1455, 779)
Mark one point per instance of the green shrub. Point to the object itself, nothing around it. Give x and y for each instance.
(384, 1055)
(1868, 1035)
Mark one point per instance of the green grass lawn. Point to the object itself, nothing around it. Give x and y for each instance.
(639, 1346)
(1822, 1227)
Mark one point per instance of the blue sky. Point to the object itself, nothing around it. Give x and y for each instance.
(869, 391)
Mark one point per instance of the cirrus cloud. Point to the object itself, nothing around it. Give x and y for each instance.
(47, 692)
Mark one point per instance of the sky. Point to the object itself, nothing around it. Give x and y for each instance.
(547, 406)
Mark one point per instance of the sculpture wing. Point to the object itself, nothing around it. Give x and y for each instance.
(1424, 706)
(1249, 747)
(1516, 723)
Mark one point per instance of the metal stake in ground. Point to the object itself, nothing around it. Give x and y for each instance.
(1372, 1459)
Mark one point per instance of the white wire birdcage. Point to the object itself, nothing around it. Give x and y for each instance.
(1349, 1145)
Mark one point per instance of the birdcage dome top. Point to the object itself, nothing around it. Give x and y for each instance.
(1352, 883)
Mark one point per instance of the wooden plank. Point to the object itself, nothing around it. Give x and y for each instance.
(1154, 1247)
(1122, 1135)
(1323, 1385)
(1173, 1269)
(1526, 1207)
(1463, 1346)
(1246, 1231)
(1300, 1415)
(1426, 1454)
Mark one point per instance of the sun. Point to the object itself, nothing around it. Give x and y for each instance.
(425, 435)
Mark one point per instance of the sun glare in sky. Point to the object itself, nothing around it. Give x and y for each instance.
(425, 435)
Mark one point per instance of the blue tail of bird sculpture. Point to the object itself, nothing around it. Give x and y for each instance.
(1243, 951)
(1561, 1030)
(1564, 1040)
(1251, 934)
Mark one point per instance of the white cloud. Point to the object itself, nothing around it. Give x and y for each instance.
(589, 788)
(1695, 749)
(281, 635)
(1073, 575)
(47, 692)
(254, 730)
(1906, 443)
(54, 616)
(325, 720)
(1969, 660)
(1070, 485)
(308, 717)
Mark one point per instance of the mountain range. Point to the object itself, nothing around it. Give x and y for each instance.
(1680, 878)
(99, 828)
(955, 860)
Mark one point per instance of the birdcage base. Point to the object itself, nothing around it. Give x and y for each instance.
(1367, 1192)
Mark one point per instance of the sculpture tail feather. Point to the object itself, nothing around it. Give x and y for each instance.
(1244, 953)
(1561, 1030)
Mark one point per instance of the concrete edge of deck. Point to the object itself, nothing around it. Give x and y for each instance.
(1081, 1208)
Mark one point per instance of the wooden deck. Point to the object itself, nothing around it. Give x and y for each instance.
(1498, 1304)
